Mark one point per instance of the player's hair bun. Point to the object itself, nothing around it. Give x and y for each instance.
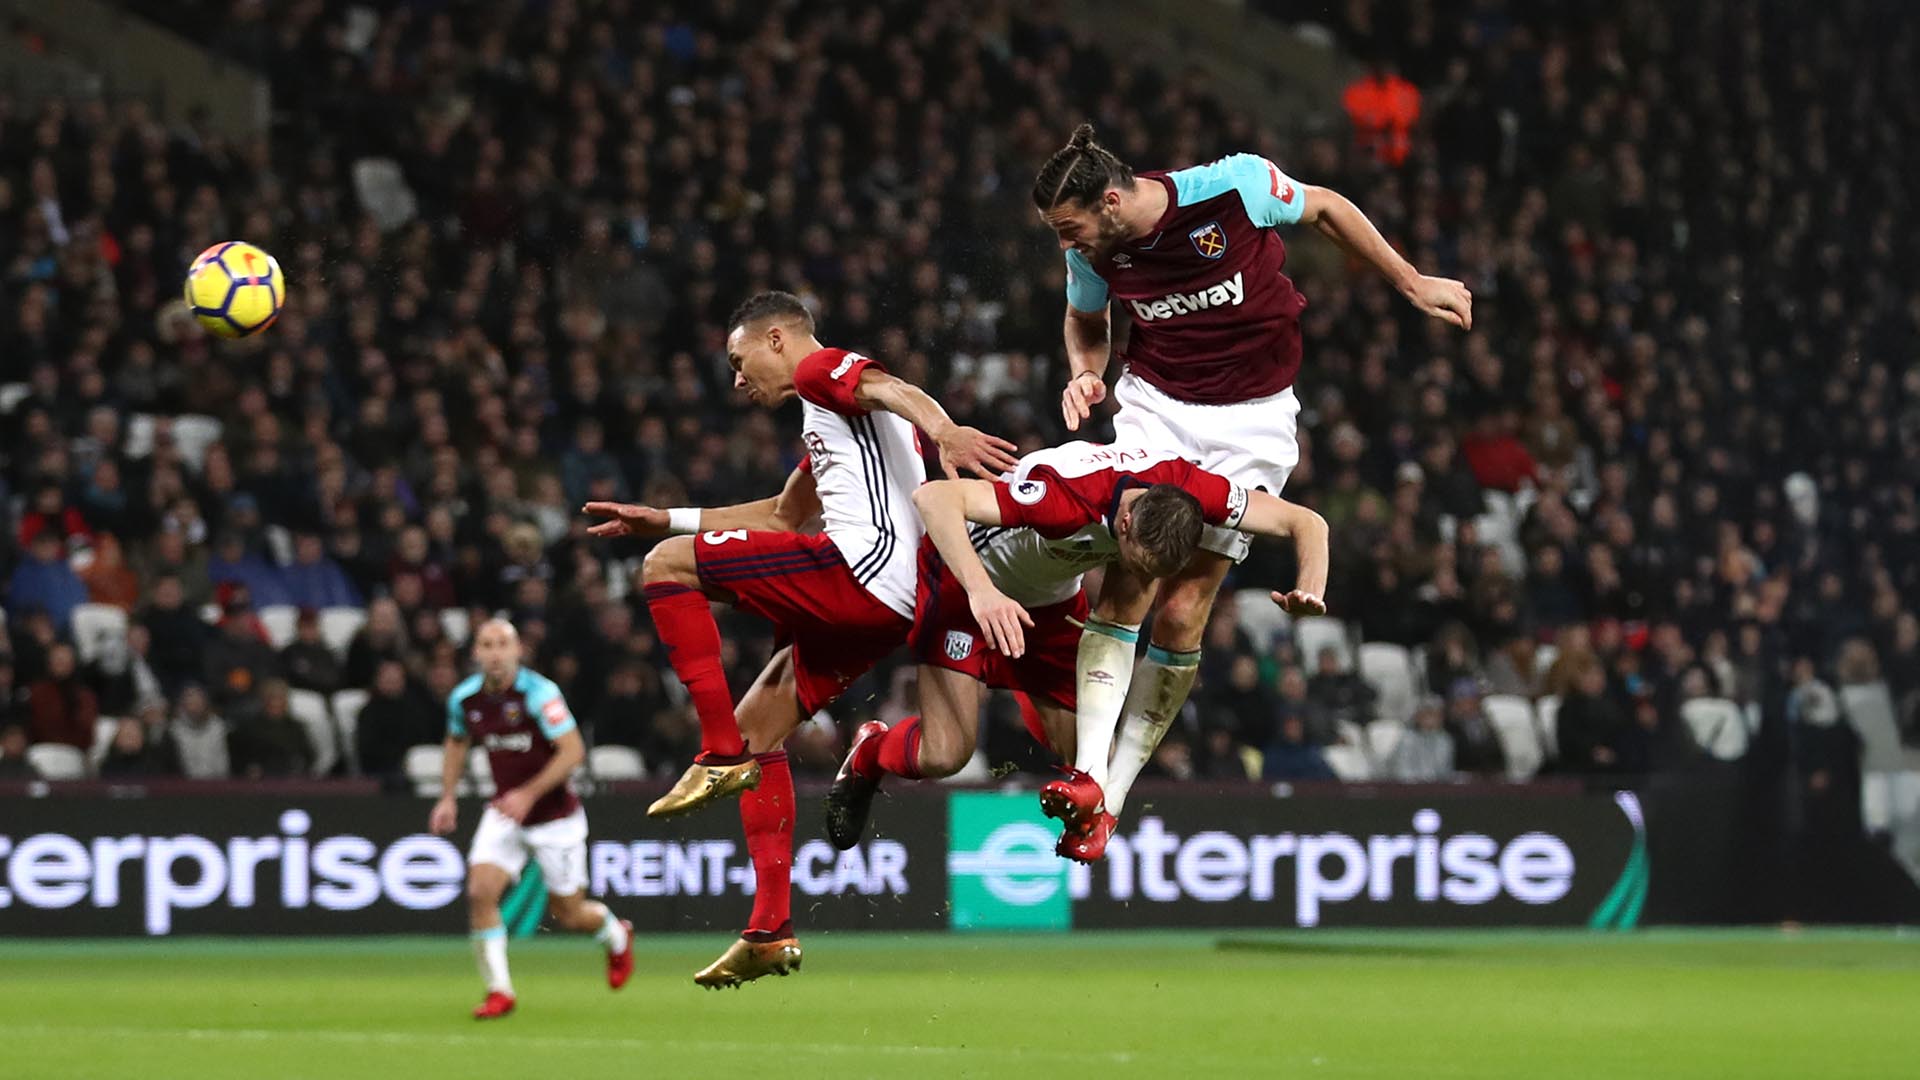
(1082, 138)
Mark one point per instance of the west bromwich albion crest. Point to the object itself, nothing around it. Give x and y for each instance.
(1210, 240)
(959, 644)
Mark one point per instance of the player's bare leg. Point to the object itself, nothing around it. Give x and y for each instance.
(583, 916)
(938, 742)
(486, 884)
(1104, 667)
(683, 615)
(768, 714)
(1164, 676)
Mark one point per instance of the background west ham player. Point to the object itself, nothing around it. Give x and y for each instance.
(532, 747)
(1064, 511)
(1193, 257)
(840, 599)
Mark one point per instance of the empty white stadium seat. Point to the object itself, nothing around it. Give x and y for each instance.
(139, 438)
(456, 624)
(12, 394)
(100, 635)
(423, 768)
(616, 763)
(103, 729)
(1869, 708)
(280, 544)
(338, 625)
(1543, 658)
(1259, 618)
(346, 718)
(1388, 668)
(1349, 763)
(57, 761)
(192, 435)
(310, 710)
(1315, 633)
(1383, 737)
(1548, 709)
(1717, 726)
(1513, 722)
(282, 622)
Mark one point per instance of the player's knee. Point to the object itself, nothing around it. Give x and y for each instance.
(1182, 618)
(671, 560)
(483, 891)
(944, 757)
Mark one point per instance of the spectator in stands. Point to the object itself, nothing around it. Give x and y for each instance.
(1590, 725)
(413, 556)
(308, 662)
(200, 737)
(60, 706)
(1383, 108)
(1451, 658)
(383, 637)
(1496, 455)
(108, 578)
(13, 753)
(1424, 753)
(587, 463)
(1510, 669)
(13, 696)
(43, 580)
(48, 514)
(1476, 745)
(314, 580)
(232, 562)
(1244, 707)
(169, 555)
(625, 715)
(1291, 757)
(1339, 696)
(238, 659)
(179, 637)
(266, 740)
(124, 679)
(138, 751)
(397, 718)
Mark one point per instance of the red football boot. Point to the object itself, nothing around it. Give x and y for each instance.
(620, 964)
(498, 1004)
(1076, 801)
(1087, 845)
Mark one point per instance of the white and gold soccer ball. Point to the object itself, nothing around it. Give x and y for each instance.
(235, 290)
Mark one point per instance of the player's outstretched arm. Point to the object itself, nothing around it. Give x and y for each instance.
(569, 750)
(1089, 337)
(797, 504)
(1342, 222)
(945, 507)
(453, 765)
(961, 447)
(1268, 515)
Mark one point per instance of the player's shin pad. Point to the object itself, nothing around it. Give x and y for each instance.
(1103, 670)
(1160, 686)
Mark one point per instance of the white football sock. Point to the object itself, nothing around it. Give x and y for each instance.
(490, 953)
(611, 933)
(1103, 669)
(1160, 686)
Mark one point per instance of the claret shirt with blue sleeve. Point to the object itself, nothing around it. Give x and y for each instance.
(1215, 318)
(516, 727)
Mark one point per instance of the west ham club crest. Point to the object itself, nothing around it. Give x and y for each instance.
(1210, 240)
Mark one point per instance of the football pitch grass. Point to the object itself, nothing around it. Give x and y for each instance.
(1311, 1004)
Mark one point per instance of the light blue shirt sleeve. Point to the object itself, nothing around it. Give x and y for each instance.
(1270, 196)
(1086, 290)
(456, 722)
(549, 708)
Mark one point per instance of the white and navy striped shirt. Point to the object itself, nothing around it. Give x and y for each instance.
(865, 467)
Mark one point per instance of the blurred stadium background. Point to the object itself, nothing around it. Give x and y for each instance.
(1626, 581)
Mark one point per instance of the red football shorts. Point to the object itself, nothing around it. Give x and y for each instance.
(800, 583)
(946, 636)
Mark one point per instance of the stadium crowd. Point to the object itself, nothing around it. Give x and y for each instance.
(1676, 459)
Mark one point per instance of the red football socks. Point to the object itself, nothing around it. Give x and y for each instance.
(896, 752)
(767, 814)
(686, 627)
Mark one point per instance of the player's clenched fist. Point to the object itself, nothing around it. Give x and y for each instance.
(986, 456)
(1083, 392)
(628, 520)
(1000, 619)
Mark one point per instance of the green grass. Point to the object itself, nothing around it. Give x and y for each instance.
(1323, 1004)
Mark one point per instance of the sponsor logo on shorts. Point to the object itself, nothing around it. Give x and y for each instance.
(1029, 492)
(959, 644)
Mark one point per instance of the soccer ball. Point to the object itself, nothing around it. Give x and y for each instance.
(235, 290)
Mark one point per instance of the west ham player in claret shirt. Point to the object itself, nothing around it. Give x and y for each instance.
(1001, 605)
(519, 718)
(840, 599)
(1195, 259)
